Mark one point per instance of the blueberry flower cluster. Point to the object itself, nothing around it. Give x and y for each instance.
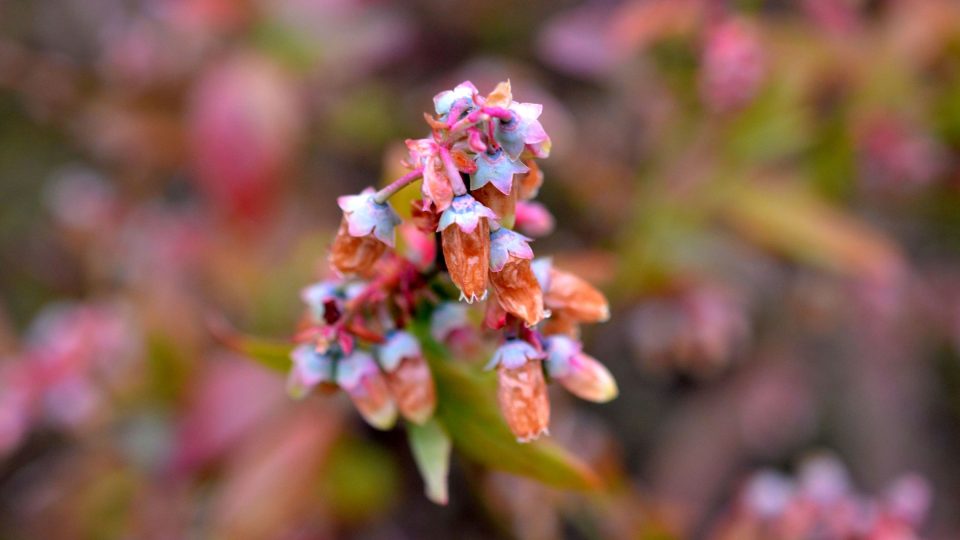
(477, 174)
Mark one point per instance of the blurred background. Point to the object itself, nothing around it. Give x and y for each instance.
(767, 191)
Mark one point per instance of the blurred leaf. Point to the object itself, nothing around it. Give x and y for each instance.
(430, 445)
(270, 353)
(798, 225)
(467, 408)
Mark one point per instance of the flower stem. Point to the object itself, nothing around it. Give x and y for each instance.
(452, 172)
(395, 186)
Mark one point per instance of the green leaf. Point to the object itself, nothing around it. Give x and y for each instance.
(270, 353)
(430, 446)
(467, 407)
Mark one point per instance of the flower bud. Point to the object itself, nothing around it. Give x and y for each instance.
(360, 377)
(512, 278)
(408, 377)
(579, 373)
(568, 295)
(310, 368)
(532, 218)
(466, 245)
(522, 395)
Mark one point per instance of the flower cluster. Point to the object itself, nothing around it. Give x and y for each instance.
(821, 503)
(477, 174)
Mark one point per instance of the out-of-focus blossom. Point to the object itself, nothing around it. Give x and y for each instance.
(408, 376)
(696, 331)
(898, 157)
(822, 503)
(245, 126)
(579, 373)
(533, 218)
(733, 65)
(74, 358)
(360, 377)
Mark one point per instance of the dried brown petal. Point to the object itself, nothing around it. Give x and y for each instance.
(530, 183)
(558, 323)
(502, 205)
(467, 255)
(436, 186)
(412, 387)
(522, 394)
(424, 216)
(571, 296)
(354, 254)
(518, 290)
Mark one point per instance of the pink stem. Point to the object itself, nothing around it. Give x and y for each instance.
(452, 172)
(398, 184)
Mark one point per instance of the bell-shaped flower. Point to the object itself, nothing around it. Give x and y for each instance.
(366, 230)
(523, 130)
(569, 296)
(502, 205)
(579, 373)
(309, 369)
(496, 168)
(360, 377)
(512, 277)
(461, 96)
(522, 390)
(408, 376)
(320, 298)
(466, 245)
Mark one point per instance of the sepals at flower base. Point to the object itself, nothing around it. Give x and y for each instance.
(522, 390)
(322, 298)
(360, 377)
(512, 277)
(462, 96)
(496, 168)
(365, 216)
(523, 129)
(309, 369)
(466, 245)
(579, 373)
(408, 376)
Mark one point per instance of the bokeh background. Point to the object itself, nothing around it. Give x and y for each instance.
(767, 191)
